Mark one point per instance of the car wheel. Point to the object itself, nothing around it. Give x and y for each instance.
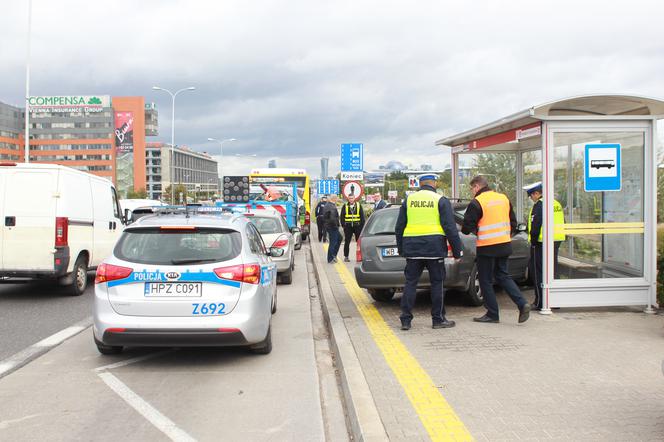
(382, 295)
(474, 293)
(108, 349)
(264, 347)
(287, 276)
(80, 275)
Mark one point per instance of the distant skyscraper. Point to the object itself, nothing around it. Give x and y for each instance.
(272, 164)
(324, 167)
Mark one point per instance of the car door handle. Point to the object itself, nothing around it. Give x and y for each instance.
(10, 221)
(111, 225)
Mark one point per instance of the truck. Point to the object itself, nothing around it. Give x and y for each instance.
(57, 223)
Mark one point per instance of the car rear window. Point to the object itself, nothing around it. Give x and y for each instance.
(266, 225)
(157, 246)
(382, 222)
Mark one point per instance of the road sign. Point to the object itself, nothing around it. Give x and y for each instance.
(413, 181)
(601, 165)
(352, 157)
(236, 189)
(352, 189)
(328, 187)
(392, 193)
(352, 176)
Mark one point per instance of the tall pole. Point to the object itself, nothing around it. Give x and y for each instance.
(172, 162)
(221, 150)
(27, 86)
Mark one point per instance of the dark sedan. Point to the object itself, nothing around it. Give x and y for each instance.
(380, 268)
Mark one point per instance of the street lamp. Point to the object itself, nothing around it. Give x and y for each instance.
(173, 95)
(242, 155)
(221, 147)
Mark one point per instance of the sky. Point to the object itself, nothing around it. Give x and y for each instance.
(292, 80)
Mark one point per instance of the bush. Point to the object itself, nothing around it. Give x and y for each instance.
(660, 264)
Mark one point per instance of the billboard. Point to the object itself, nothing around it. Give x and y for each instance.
(124, 132)
(69, 103)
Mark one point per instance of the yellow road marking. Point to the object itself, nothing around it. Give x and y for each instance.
(436, 414)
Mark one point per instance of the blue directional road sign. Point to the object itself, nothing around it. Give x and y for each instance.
(328, 187)
(602, 171)
(352, 157)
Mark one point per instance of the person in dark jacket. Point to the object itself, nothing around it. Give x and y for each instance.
(331, 217)
(352, 221)
(424, 227)
(491, 217)
(320, 222)
(380, 204)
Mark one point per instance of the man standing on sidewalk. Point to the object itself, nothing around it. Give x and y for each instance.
(352, 221)
(491, 217)
(331, 217)
(320, 222)
(423, 228)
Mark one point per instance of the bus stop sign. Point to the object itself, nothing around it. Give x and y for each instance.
(601, 165)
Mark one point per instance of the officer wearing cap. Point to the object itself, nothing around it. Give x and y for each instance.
(320, 222)
(424, 226)
(535, 238)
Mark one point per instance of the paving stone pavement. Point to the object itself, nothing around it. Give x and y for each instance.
(579, 374)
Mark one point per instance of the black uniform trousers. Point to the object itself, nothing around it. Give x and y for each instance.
(351, 229)
(413, 271)
(322, 232)
(492, 269)
(535, 270)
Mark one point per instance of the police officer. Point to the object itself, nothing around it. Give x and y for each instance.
(331, 224)
(352, 221)
(425, 224)
(491, 217)
(320, 222)
(535, 238)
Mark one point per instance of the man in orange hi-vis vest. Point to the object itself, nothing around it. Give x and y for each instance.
(490, 216)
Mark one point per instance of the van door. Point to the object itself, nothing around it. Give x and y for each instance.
(75, 204)
(28, 227)
(107, 222)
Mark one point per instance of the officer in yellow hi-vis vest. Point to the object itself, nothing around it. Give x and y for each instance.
(535, 237)
(490, 216)
(423, 229)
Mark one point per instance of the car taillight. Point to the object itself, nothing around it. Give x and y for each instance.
(61, 231)
(358, 251)
(109, 272)
(307, 217)
(7, 163)
(281, 242)
(249, 273)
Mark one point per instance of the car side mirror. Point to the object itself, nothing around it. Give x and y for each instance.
(295, 230)
(521, 227)
(276, 252)
(125, 217)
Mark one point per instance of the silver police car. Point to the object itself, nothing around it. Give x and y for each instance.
(186, 279)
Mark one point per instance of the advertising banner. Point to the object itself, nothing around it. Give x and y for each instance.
(69, 103)
(124, 132)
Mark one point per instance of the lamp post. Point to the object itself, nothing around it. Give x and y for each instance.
(27, 86)
(221, 147)
(173, 95)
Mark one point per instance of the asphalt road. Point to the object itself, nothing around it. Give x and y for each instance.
(180, 394)
(33, 311)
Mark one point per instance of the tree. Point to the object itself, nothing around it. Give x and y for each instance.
(137, 194)
(179, 189)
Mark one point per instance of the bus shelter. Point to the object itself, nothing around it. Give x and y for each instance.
(597, 156)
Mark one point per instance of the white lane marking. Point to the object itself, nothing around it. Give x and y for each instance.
(6, 367)
(164, 424)
(132, 360)
(59, 337)
(5, 424)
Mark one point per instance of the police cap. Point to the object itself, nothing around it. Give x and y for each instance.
(428, 177)
(534, 187)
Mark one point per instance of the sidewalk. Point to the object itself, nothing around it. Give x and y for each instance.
(574, 375)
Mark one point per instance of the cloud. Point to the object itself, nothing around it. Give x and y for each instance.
(293, 79)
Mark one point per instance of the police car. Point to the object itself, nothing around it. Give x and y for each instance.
(186, 279)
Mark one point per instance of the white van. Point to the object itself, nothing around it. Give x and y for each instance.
(57, 222)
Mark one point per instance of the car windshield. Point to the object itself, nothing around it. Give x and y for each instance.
(156, 246)
(382, 222)
(266, 226)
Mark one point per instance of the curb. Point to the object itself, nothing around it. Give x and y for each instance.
(365, 422)
(24, 357)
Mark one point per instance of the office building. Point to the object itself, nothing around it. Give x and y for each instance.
(324, 167)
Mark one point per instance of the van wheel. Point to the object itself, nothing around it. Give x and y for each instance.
(264, 347)
(80, 275)
(287, 276)
(382, 295)
(474, 293)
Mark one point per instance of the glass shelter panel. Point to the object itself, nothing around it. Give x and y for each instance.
(498, 167)
(532, 173)
(604, 230)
